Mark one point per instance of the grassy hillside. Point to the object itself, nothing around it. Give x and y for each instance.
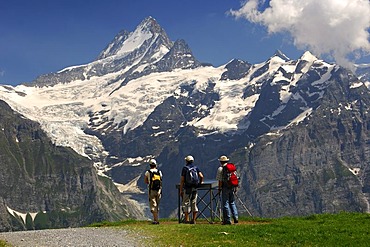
(344, 229)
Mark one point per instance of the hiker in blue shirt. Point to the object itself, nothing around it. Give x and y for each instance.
(191, 178)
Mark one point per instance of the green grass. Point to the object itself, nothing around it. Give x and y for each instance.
(343, 229)
(4, 244)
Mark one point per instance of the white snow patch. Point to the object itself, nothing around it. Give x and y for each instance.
(130, 186)
(158, 133)
(23, 216)
(278, 110)
(367, 84)
(101, 169)
(33, 216)
(301, 117)
(355, 171)
(356, 84)
(136, 39)
(228, 113)
(348, 107)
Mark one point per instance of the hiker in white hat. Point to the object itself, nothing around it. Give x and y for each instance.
(153, 178)
(227, 183)
(191, 178)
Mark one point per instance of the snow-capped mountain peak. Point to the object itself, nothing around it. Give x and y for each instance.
(125, 42)
(114, 47)
(280, 54)
(308, 56)
(142, 70)
(150, 24)
(127, 55)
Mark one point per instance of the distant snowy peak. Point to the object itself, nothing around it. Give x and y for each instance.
(235, 70)
(115, 45)
(125, 42)
(281, 55)
(281, 63)
(363, 73)
(127, 54)
(179, 57)
(309, 57)
(151, 25)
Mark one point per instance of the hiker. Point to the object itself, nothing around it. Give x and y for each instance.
(153, 178)
(191, 178)
(227, 189)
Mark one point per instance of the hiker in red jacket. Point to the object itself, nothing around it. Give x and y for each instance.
(227, 189)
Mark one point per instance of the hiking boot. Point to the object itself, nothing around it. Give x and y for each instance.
(192, 222)
(226, 223)
(236, 221)
(155, 223)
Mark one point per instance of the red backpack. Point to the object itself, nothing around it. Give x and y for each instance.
(230, 175)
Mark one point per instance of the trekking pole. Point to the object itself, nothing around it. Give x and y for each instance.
(241, 202)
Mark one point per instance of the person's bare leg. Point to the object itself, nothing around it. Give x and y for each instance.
(194, 217)
(155, 216)
(186, 217)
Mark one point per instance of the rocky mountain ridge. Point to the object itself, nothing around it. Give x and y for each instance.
(46, 186)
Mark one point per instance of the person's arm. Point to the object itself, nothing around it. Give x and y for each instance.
(201, 177)
(219, 178)
(182, 180)
(146, 177)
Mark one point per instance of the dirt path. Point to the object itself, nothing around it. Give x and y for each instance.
(74, 237)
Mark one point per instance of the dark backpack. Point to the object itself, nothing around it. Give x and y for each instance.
(230, 177)
(192, 176)
(155, 182)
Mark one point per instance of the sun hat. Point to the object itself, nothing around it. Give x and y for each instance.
(223, 158)
(189, 158)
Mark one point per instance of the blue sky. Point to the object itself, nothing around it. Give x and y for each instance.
(43, 36)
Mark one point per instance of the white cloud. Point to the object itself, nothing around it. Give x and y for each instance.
(338, 28)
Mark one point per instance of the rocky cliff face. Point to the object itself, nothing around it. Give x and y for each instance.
(317, 166)
(303, 153)
(363, 73)
(45, 186)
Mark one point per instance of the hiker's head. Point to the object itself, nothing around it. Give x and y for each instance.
(223, 159)
(189, 159)
(152, 163)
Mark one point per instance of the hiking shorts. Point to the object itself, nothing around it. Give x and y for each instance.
(154, 199)
(189, 202)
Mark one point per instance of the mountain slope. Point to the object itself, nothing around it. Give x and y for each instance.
(46, 186)
(126, 54)
(297, 129)
(321, 164)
